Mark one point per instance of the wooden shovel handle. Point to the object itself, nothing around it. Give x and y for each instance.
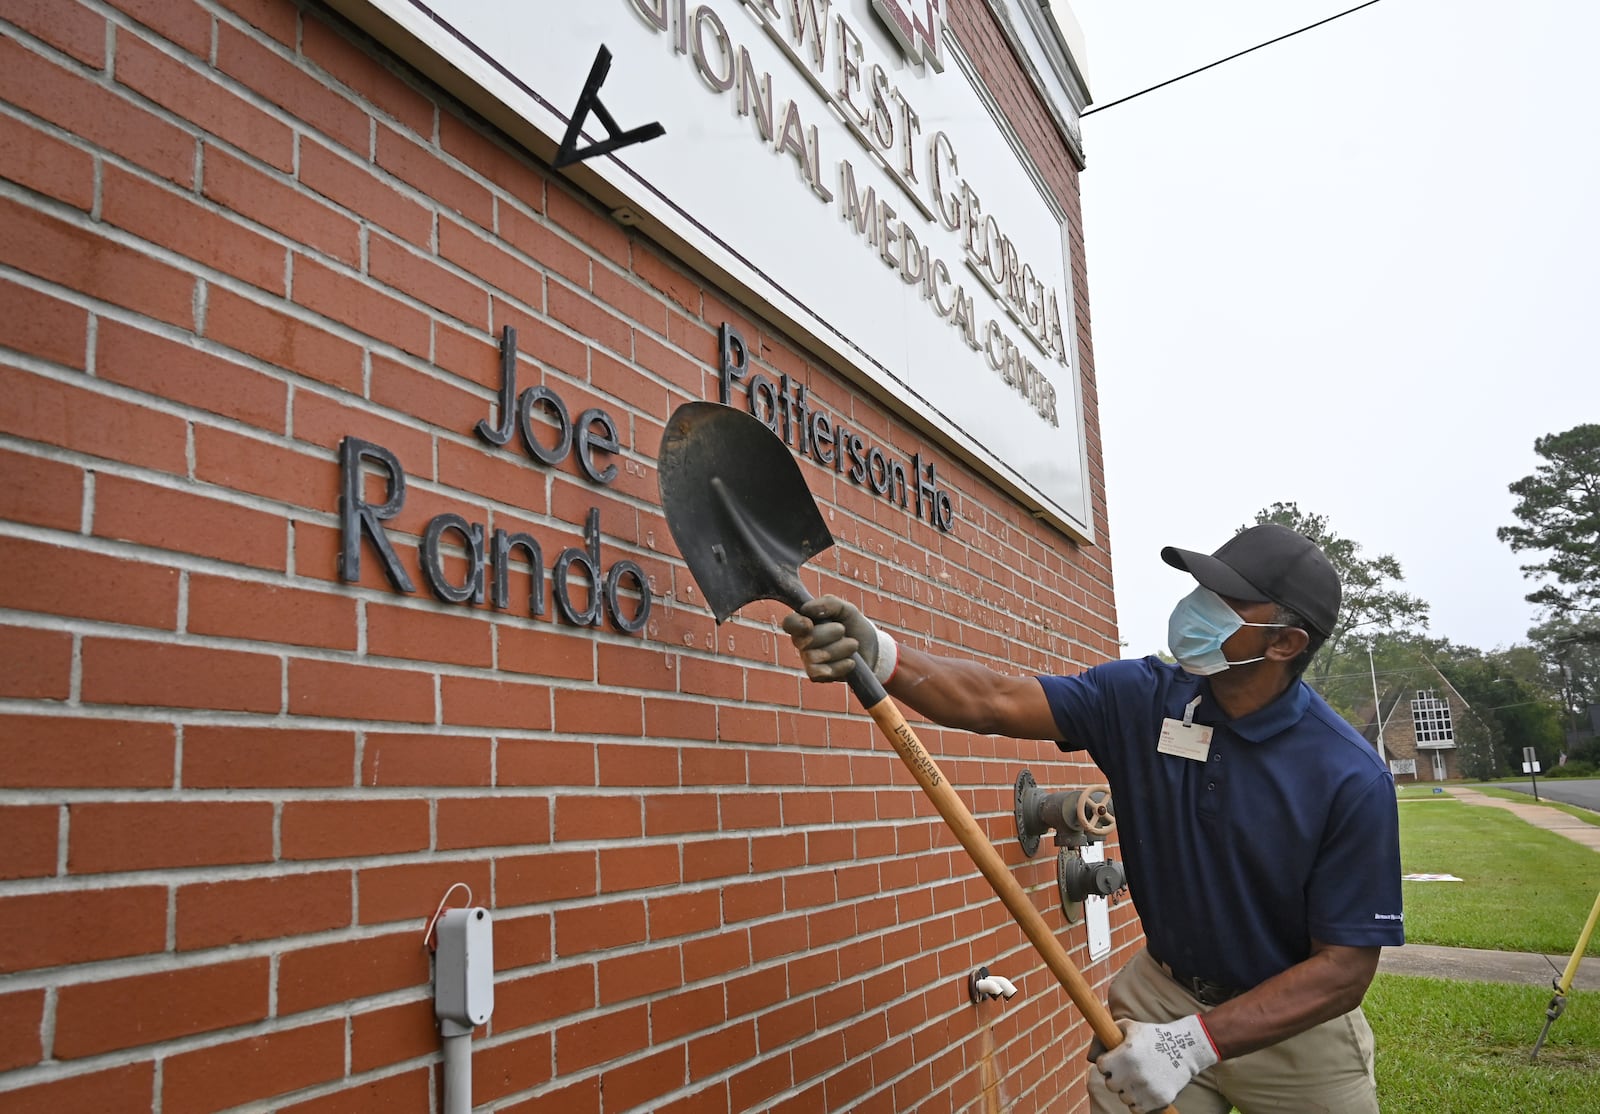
(887, 715)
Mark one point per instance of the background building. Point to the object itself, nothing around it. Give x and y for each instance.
(302, 625)
(1420, 726)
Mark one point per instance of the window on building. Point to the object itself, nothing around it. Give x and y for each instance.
(1430, 718)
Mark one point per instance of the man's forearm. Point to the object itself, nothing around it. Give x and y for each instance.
(1332, 982)
(828, 630)
(951, 693)
(972, 697)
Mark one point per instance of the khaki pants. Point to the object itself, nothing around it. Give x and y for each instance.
(1324, 1070)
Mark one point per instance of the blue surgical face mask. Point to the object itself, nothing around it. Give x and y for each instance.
(1200, 624)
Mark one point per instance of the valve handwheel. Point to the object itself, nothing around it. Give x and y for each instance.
(1094, 815)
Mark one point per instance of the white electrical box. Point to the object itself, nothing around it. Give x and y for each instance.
(463, 977)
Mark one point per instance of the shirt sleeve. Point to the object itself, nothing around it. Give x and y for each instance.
(1354, 895)
(1078, 705)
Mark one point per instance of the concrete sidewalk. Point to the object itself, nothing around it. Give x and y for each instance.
(1475, 964)
(1542, 816)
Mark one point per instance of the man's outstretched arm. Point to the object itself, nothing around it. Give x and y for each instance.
(827, 631)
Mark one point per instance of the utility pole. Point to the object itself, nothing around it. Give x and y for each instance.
(1570, 698)
(1377, 706)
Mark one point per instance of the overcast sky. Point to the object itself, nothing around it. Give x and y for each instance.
(1356, 270)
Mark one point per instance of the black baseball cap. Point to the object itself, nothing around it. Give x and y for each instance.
(1270, 563)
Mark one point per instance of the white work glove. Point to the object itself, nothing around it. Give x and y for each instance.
(1155, 1061)
(828, 632)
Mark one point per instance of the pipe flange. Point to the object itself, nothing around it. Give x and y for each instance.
(972, 985)
(1026, 790)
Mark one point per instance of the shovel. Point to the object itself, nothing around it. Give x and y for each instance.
(745, 522)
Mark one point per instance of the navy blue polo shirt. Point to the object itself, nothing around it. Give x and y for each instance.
(1287, 832)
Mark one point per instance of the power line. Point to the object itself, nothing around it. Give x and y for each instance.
(1219, 61)
(1367, 673)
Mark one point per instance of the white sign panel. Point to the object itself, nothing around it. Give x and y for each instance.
(853, 179)
(1096, 910)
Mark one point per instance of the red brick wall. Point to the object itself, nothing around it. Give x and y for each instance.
(234, 787)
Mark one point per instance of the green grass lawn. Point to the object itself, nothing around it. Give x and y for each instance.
(1462, 1048)
(1524, 889)
(1415, 792)
(1448, 1047)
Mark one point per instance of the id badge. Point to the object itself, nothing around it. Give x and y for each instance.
(1186, 740)
(1184, 737)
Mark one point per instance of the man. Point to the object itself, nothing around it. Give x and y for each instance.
(1258, 830)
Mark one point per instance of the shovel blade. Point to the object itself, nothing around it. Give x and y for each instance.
(737, 506)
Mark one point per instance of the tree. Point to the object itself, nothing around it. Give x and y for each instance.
(1512, 701)
(1569, 647)
(1559, 506)
(1478, 743)
(1372, 607)
(1493, 686)
(1395, 662)
(1511, 690)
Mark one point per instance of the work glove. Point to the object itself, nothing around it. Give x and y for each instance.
(1155, 1061)
(828, 632)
